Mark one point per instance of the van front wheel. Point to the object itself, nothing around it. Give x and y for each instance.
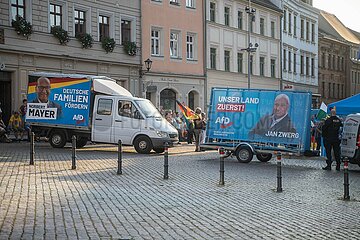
(244, 154)
(143, 145)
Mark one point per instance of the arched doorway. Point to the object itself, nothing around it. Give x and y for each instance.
(193, 99)
(168, 99)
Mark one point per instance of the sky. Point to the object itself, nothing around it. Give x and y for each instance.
(347, 11)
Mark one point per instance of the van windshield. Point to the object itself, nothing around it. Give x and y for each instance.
(148, 109)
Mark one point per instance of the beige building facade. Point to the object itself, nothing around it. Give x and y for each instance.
(20, 56)
(227, 40)
(172, 37)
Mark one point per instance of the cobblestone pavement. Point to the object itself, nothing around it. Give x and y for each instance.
(51, 201)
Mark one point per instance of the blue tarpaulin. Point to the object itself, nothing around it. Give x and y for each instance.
(347, 106)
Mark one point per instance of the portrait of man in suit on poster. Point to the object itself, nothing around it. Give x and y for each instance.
(278, 121)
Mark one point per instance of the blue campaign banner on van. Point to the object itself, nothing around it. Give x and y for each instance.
(57, 100)
(259, 115)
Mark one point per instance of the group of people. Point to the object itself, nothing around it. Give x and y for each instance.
(328, 131)
(189, 129)
(17, 125)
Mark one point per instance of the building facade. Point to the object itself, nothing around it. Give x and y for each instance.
(41, 51)
(339, 74)
(227, 40)
(299, 46)
(172, 36)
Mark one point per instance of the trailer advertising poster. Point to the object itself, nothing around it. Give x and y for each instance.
(55, 100)
(259, 115)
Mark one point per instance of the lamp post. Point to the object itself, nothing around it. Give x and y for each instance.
(148, 64)
(250, 49)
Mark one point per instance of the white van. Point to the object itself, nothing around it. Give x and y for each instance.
(94, 108)
(350, 142)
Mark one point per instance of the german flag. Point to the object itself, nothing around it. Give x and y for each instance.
(186, 111)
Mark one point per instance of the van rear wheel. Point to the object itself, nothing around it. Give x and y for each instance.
(57, 139)
(264, 157)
(159, 149)
(143, 145)
(81, 142)
(244, 154)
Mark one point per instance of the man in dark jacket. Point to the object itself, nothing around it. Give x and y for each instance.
(330, 133)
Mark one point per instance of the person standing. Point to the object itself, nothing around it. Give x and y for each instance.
(330, 133)
(198, 126)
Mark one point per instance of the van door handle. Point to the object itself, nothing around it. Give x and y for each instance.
(117, 120)
(98, 118)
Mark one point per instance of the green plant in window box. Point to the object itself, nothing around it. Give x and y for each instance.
(108, 44)
(60, 34)
(22, 27)
(130, 48)
(86, 40)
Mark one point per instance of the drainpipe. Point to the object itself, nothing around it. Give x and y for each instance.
(205, 55)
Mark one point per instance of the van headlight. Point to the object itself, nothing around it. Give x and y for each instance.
(162, 134)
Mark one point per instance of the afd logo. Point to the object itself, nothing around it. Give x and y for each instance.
(224, 122)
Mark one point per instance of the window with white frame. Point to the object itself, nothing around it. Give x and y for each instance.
(213, 58)
(240, 62)
(174, 44)
(227, 16)
(262, 66)
(290, 17)
(125, 31)
(284, 20)
(302, 29)
(227, 60)
(190, 3)
(104, 27)
(55, 15)
(272, 67)
(240, 20)
(272, 29)
(289, 61)
(295, 30)
(212, 11)
(262, 26)
(175, 2)
(79, 22)
(155, 42)
(17, 8)
(294, 63)
(284, 59)
(190, 46)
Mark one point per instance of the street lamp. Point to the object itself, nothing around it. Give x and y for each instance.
(148, 64)
(250, 49)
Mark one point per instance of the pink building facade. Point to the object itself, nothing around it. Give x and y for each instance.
(172, 37)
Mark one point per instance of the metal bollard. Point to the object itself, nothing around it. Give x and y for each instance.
(119, 170)
(32, 148)
(166, 161)
(73, 162)
(346, 179)
(279, 178)
(222, 163)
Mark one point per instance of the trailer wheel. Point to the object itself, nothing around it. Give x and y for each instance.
(81, 142)
(159, 149)
(244, 154)
(264, 157)
(57, 139)
(143, 145)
